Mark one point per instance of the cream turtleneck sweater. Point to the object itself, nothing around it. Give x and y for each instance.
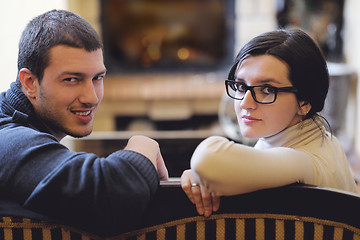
(303, 153)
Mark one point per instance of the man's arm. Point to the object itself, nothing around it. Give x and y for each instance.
(99, 194)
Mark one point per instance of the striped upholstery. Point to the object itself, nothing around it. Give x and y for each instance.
(246, 226)
(15, 228)
(298, 212)
(222, 226)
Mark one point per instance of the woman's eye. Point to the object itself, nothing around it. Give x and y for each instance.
(241, 87)
(233, 86)
(268, 90)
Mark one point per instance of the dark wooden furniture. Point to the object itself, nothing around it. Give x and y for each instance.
(290, 212)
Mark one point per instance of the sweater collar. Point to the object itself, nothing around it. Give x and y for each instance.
(299, 134)
(18, 106)
(17, 101)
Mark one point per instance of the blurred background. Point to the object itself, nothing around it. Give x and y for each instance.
(167, 61)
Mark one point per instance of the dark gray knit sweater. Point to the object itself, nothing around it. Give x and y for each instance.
(101, 195)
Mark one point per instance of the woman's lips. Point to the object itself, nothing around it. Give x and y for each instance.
(249, 119)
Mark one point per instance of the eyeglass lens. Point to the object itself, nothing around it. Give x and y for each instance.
(261, 94)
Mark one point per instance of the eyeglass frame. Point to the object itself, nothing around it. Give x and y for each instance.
(251, 88)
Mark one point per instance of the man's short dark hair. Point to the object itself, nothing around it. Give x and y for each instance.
(55, 27)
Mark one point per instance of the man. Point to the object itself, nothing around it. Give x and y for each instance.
(57, 92)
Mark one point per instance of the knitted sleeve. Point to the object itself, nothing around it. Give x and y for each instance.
(105, 195)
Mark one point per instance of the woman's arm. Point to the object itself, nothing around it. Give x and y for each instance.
(228, 168)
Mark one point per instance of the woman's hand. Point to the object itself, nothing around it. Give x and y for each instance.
(206, 203)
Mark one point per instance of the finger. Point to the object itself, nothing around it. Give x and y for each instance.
(206, 201)
(215, 202)
(161, 167)
(186, 185)
(196, 192)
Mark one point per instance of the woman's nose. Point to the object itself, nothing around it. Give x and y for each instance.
(248, 101)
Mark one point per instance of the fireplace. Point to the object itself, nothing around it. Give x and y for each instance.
(161, 36)
(166, 84)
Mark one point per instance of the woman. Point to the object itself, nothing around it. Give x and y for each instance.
(279, 82)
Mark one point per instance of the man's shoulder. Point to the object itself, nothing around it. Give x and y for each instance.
(4, 119)
(11, 131)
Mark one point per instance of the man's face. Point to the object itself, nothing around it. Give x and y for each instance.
(70, 91)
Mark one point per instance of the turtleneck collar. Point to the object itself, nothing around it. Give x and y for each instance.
(301, 133)
(18, 106)
(17, 101)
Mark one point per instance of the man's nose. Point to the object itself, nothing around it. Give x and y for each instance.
(89, 94)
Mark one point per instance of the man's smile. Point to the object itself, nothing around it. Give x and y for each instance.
(82, 113)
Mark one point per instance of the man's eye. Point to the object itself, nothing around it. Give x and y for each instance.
(100, 77)
(70, 79)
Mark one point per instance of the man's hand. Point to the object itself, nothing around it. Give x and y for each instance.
(161, 168)
(150, 149)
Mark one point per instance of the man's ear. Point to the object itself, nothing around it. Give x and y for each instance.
(304, 108)
(29, 82)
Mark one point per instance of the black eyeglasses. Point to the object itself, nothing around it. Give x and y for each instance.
(264, 94)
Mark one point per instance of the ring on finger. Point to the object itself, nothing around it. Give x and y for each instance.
(195, 185)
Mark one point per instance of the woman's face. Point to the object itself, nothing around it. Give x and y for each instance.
(258, 120)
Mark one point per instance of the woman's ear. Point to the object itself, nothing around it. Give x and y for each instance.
(304, 108)
(29, 82)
